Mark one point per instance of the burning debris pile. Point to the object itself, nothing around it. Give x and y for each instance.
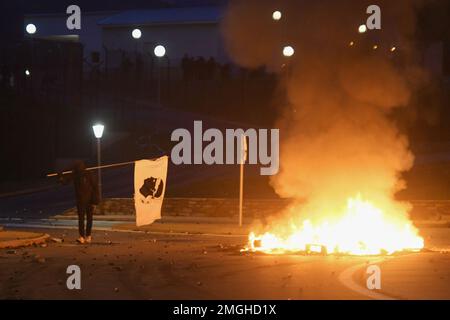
(360, 229)
(341, 153)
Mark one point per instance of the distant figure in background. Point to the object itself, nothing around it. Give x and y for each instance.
(87, 195)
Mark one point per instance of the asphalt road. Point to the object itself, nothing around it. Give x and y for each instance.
(121, 265)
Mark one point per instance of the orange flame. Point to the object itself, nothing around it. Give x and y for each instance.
(363, 229)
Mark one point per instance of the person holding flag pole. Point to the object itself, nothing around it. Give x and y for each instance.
(149, 188)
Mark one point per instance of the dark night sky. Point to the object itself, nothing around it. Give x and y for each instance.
(12, 11)
(434, 18)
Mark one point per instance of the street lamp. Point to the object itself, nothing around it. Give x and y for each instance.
(98, 133)
(276, 15)
(362, 28)
(159, 51)
(136, 33)
(288, 51)
(31, 28)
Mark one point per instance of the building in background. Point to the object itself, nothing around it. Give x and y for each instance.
(192, 31)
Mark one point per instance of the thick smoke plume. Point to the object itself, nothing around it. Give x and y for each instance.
(338, 136)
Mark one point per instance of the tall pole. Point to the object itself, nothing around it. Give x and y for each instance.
(99, 160)
(241, 182)
(241, 193)
(159, 82)
(159, 52)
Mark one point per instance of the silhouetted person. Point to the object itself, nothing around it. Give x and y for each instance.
(86, 194)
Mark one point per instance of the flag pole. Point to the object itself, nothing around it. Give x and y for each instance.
(95, 168)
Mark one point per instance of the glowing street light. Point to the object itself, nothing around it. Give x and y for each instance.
(288, 51)
(31, 28)
(362, 28)
(276, 15)
(159, 51)
(98, 133)
(136, 33)
(98, 130)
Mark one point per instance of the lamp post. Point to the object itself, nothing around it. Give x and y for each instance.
(136, 34)
(31, 28)
(276, 15)
(362, 28)
(160, 52)
(288, 51)
(98, 132)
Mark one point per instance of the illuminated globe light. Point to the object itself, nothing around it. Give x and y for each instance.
(362, 28)
(276, 15)
(351, 44)
(27, 73)
(31, 28)
(160, 51)
(98, 130)
(288, 51)
(393, 49)
(136, 33)
(375, 47)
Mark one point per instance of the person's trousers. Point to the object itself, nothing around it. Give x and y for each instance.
(88, 212)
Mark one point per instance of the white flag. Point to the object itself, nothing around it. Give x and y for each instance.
(149, 188)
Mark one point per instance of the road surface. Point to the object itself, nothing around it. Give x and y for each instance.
(130, 265)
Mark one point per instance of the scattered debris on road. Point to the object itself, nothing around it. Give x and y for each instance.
(57, 240)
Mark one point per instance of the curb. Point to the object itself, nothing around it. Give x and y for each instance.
(8, 244)
(97, 217)
(179, 231)
(164, 219)
(202, 219)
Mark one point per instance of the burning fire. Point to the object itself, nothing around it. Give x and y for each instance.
(363, 229)
(338, 123)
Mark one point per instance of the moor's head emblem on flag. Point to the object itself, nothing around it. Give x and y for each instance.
(152, 187)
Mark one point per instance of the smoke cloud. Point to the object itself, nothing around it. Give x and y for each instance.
(338, 136)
